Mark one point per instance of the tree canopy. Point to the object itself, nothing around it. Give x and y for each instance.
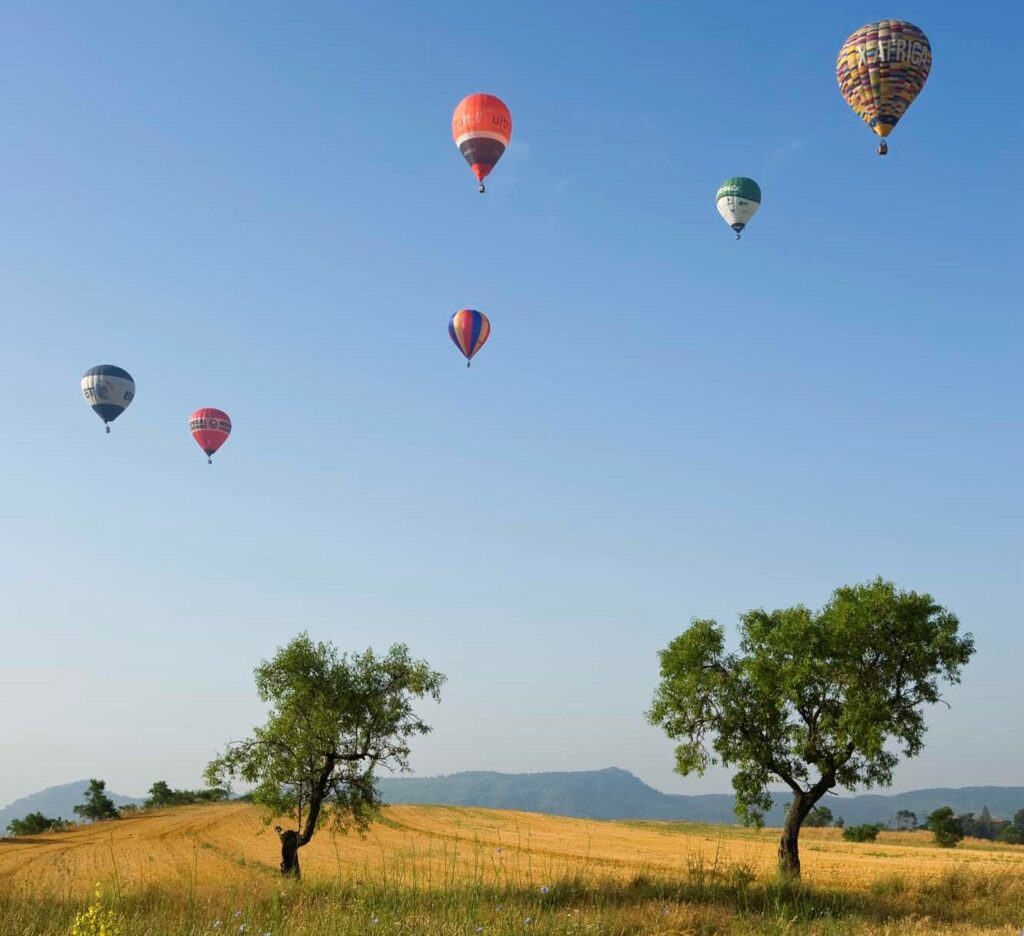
(97, 805)
(161, 794)
(945, 827)
(333, 720)
(33, 824)
(815, 699)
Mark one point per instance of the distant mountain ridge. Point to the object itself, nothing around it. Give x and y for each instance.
(56, 801)
(614, 793)
(611, 793)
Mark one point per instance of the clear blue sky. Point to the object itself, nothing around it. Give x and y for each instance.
(259, 207)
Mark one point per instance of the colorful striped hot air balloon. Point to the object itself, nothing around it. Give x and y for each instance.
(881, 68)
(108, 390)
(482, 128)
(210, 428)
(469, 330)
(737, 201)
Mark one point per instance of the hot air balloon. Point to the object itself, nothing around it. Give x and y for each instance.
(737, 201)
(881, 68)
(210, 428)
(108, 390)
(469, 330)
(482, 128)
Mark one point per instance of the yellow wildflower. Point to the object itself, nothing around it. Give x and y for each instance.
(94, 920)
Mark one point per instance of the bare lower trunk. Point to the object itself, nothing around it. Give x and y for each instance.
(789, 845)
(289, 852)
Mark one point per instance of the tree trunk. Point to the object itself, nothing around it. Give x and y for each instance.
(789, 847)
(289, 852)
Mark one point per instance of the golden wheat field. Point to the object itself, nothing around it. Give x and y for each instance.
(200, 862)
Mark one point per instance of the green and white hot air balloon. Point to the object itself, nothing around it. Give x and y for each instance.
(737, 201)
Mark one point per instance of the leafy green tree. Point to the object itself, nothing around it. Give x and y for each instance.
(1008, 835)
(814, 699)
(210, 795)
(34, 824)
(1012, 833)
(333, 720)
(967, 824)
(906, 820)
(985, 827)
(97, 805)
(819, 817)
(160, 794)
(867, 832)
(945, 827)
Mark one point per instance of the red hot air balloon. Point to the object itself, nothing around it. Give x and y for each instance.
(210, 428)
(482, 129)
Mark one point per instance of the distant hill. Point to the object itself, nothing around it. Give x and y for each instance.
(56, 801)
(613, 793)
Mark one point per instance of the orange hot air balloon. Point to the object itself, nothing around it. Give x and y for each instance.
(210, 428)
(482, 128)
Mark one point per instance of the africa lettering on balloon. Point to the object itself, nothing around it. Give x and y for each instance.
(895, 50)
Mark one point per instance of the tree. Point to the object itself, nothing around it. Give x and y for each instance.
(819, 817)
(862, 833)
(945, 827)
(985, 827)
(33, 824)
(906, 820)
(160, 794)
(333, 720)
(1012, 833)
(97, 805)
(814, 699)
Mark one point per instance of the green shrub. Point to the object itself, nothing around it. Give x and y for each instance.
(945, 827)
(861, 833)
(33, 824)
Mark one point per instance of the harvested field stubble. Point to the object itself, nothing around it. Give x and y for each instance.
(425, 870)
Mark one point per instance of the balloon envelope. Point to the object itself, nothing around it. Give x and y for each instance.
(737, 201)
(109, 390)
(482, 129)
(881, 68)
(210, 428)
(469, 329)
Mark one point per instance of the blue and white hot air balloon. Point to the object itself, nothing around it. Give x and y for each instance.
(108, 390)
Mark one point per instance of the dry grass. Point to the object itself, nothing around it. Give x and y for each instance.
(449, 870)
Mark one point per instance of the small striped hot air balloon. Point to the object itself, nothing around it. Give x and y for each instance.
(210, 428)
(881, 69)
(469, 330)
(737, 201)
(482, 129)
(109, 390)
